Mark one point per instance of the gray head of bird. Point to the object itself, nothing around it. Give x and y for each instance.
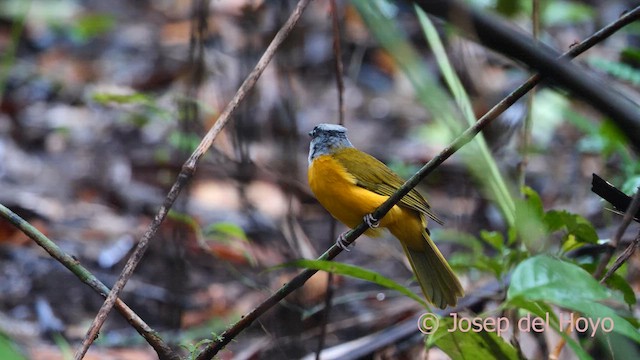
(326, 138)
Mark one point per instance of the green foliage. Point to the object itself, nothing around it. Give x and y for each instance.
(65, 348)
(538, 283)
(617, 69)
(185, 142)
(533, 228)
(616, 282)
(459, 344)
(225, 231)
(477, 154)
(535, 225)
(194, 349)
(358, 273)
(577, 230)
(9, 350)
(498, 261)
(565, 13)
(547, 279)
(142, 108)
(220, 232)
(90, 26)
(552, 12)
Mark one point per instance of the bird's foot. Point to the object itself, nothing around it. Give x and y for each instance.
(371, 221)
(341, 242)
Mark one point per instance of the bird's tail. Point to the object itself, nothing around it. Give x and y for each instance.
(438, 282)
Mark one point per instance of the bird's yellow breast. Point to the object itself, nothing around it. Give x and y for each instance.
(336, 189)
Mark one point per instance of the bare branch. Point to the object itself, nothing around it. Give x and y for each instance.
(162, 349)
(188, 169)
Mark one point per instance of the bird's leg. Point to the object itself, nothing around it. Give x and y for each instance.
(342, 242)
(371, 221)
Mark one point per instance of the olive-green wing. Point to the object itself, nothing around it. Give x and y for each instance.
(373, 175)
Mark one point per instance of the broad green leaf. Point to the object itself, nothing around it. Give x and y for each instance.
(463, 343)
(356, 272)
(568, 286)
(545, 278)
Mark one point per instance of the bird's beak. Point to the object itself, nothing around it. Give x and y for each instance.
(310, 133)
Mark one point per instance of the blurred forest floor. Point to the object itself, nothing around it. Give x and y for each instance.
(95, 125)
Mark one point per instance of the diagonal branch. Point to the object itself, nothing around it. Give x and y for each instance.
(212, 349)
(162, 349)
(188, 169)
(493, 33)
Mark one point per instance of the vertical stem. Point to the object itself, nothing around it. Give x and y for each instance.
(528, 120)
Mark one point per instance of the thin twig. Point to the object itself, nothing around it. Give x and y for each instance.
(615, 241)
(338, 60)
(328, 298)
(626, 254)
(332, 231)
(528, 119)
(162, 349)
(188, 169)
(299, 280)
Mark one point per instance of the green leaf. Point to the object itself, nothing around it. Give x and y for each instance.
(566, 285)
(469, 344)
(137, 98)
(631, 185)
(355, 272)
(545, 278)
(528, 223)
(616, 282)
(225, 230)
(494, 265)
(574, 224)
(617, 69)
(534, 201)
(91, 25)
(493, 238)
(9, 350)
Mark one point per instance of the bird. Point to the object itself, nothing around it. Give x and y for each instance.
(350, 184)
